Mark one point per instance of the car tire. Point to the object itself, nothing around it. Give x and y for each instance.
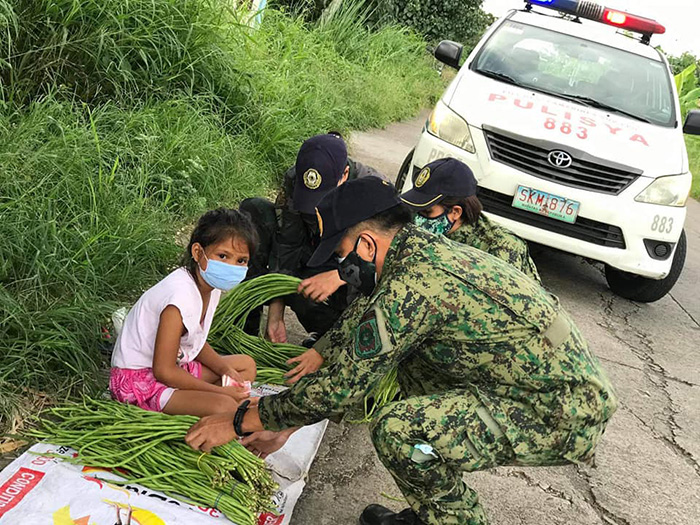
(403, 171)
(642, 289)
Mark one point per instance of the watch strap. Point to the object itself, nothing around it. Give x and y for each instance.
(238, 419)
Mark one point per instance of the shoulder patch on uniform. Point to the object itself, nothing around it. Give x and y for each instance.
(312, 179)
(368, 343)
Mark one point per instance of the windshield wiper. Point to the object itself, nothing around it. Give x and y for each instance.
(498, 76)
(592, 102)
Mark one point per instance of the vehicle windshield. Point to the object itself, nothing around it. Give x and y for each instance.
(589, 73)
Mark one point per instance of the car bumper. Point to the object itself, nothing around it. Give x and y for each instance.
(613, 229)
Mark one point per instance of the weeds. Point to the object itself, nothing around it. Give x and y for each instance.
(121, 122)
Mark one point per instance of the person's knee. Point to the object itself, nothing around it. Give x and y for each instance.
(221, 404)
(389, 424)
(248, 368)
(244, 365)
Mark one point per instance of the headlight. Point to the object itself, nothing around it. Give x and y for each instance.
(450, 127)
(667, 191)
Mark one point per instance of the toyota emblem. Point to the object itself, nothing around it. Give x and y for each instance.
(560, 159)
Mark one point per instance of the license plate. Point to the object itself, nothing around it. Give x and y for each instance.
(546, 204)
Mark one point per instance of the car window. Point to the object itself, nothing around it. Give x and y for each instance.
(591, 73)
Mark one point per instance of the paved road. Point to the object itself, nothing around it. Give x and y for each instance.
(647, 469)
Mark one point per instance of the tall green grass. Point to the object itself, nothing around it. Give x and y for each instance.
(116, 50)
(121, 122)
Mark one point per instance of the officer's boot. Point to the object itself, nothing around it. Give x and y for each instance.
(378, 515)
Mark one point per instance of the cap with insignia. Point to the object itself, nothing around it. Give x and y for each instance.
(440, 179)
(347, 205)
(320, 165)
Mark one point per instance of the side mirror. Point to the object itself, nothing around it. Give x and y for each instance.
(692, 123)
(449, 52)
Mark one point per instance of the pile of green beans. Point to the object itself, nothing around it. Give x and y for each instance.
(227, 335)
(150, 447)
(235, 306)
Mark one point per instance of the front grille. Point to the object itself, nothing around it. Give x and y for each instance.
(530, 156)
(584, 229)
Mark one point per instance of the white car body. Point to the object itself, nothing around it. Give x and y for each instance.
(507, 112)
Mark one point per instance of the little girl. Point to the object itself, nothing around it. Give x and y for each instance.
(161, 359)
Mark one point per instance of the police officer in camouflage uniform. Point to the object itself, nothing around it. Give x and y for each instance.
(493, 370)
(288, 233)
(444, 195)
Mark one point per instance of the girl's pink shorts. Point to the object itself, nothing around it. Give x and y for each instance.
(139, 386)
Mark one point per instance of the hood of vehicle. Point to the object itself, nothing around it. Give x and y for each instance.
(487, 103)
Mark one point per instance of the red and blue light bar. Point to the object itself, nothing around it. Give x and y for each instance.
(593, 11)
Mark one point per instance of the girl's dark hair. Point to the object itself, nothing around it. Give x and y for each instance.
(216, 226)
(471, 207)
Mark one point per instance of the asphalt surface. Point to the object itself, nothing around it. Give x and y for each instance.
(647, 468)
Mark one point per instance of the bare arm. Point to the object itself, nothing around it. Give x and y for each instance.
(321, 286)
(215, 430)
(213, 361)
(165, 368)
(276, 330)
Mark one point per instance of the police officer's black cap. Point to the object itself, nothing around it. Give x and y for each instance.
(320, 164)
(347, 205)
(440, 179)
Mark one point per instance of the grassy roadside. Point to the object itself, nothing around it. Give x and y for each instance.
(693, 144)
(121, 122)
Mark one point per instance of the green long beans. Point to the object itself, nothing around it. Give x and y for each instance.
(150, 447)
(235, 306)
(227, 335)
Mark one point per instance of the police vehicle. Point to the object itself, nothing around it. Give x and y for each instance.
(573, 132)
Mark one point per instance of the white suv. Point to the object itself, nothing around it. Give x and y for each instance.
(573, 133)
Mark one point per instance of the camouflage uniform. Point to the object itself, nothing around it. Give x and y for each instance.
(493, 369)
(499, 242)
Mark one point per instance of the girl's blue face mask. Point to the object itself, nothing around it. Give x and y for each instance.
(222, 275)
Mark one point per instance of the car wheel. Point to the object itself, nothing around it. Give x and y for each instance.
(403, 171)
(642, 289)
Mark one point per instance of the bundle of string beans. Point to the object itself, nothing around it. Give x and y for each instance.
(227, 335)
(150, 447)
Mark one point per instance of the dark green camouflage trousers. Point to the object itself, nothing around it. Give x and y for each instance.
(463, 441)
(463, 437)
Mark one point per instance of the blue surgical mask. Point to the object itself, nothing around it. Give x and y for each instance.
(438, 225)
(222, 275)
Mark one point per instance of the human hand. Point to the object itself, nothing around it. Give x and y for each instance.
(211, 431)
(276, 331)
(234, 375)
(309, 362)
(265, 442)
(238, 393)
(321, 286)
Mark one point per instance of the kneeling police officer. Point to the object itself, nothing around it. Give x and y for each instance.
(493, 370)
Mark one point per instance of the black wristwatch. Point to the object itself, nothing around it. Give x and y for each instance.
(238, 419)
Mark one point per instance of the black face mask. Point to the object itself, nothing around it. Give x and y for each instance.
(357, 272)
